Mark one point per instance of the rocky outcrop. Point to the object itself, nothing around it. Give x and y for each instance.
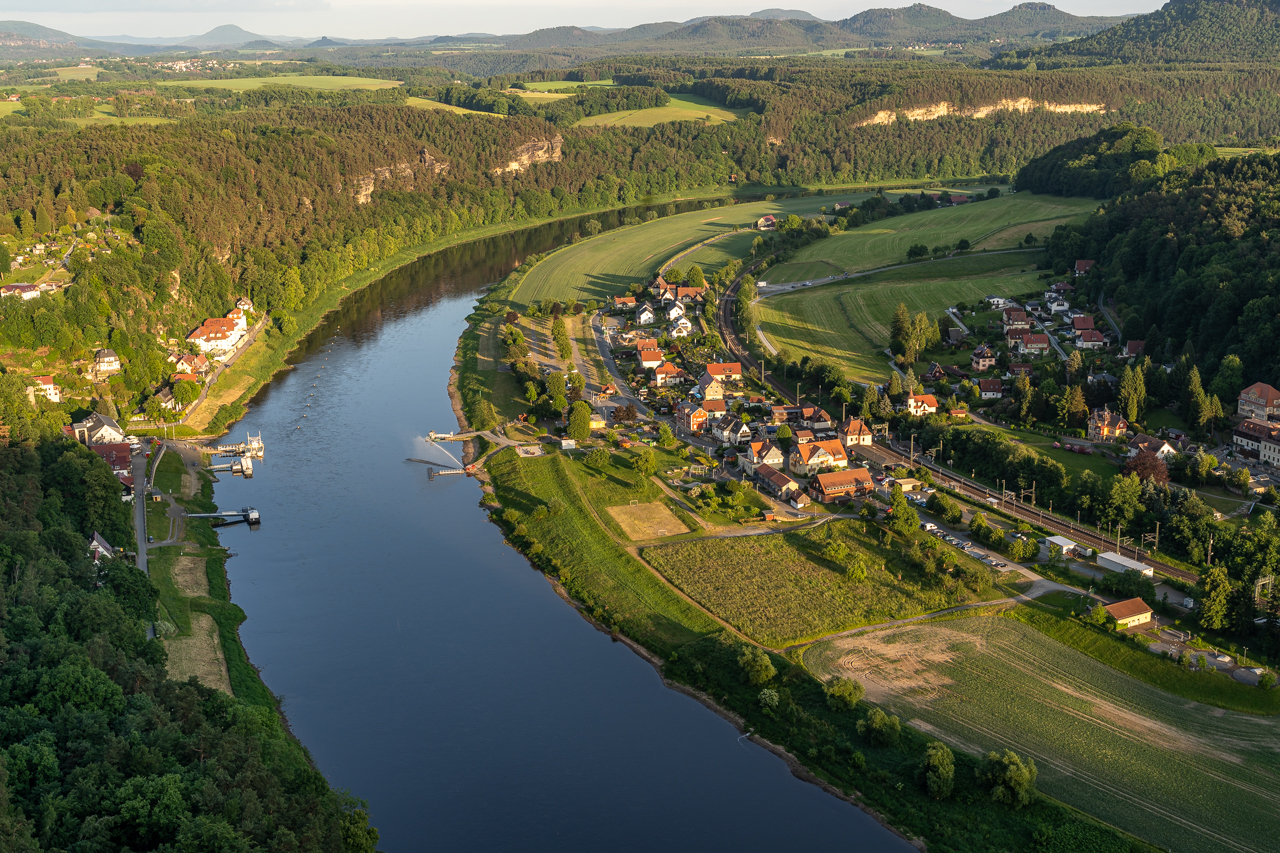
(400, 174)
(939, 110)
(535, 151)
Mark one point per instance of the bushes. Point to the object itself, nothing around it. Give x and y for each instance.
(756, 665)
(880, 728)
(945, 508)
(938, 771)
(843, 694)
(1011, 779)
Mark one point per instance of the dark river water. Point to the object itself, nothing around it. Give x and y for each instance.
(423, 662)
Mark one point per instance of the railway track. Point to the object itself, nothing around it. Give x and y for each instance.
(1018, 509)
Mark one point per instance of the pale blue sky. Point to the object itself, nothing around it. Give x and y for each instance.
(339, 18)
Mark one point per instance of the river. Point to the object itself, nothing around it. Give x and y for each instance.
(424, 663)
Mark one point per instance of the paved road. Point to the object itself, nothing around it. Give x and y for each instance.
(611, 365)
(140, 507)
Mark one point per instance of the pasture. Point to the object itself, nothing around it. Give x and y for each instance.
(847, 322)
(882, 243)
(426, 104)
(606, 265)
(244, 84)
(77, 73)
(787, 588)
(566, 85)
(106, 114)
(681, 108)
(1179, 774)
(647, 521)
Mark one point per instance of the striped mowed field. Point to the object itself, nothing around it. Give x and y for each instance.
(886, 242)
(605, 266)
(847, 323)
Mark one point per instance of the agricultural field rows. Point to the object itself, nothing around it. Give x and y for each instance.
(1182, 775)
(847, 323)
(781, 589)
(886, 242)
(605, 266)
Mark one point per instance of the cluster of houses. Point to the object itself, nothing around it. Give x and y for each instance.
(1258, 435)
(219, 336)
(103, 436)
(673, 303)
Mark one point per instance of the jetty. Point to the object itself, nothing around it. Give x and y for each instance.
(252, 447)
(241, 467)
(247, 514)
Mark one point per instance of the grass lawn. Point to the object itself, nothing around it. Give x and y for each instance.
(1161, 418)
(243, 84)
(780, 589)
(604, 266)
(1138, 757)
(847, 323)
(169, 474)
(886, 242)
(681, 108)
(566, 85)
(594, 567)
(425, 104)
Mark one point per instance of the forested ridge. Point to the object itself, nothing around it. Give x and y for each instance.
(99, 750)
(1192, 261)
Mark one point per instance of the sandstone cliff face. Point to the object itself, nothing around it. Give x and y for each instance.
(1022, 105)
(534, 151)
(400, 174)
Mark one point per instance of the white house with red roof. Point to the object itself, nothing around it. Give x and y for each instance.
(1259, 400)
(921, 404)
(46, 387)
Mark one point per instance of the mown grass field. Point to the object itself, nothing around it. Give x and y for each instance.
(1178, 774)
(681, 108)
(605, 266)
(106, 114)
(886, 242)
(568, 85)
(600, 569)
(847, 323)
(426, 104)
(77, 73)
(332, 84)
(779, 589)
(711, 258)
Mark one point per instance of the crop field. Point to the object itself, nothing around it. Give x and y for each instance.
(1179, 774)
(647, 521)
(779, 589)
(605, 266)
(426, 104)
(243, 84)
(847, 323)
(681, 108)
(886, 242)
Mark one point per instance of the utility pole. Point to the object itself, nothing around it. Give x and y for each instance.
(1153, 537)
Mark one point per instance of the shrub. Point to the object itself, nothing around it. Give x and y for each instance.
(1010, 779)
(756, 665)
(769, 698)
(843, 694)
(938, 771)
(880, 728)
(1267, 681)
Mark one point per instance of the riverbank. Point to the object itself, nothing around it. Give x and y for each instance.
(544, 507)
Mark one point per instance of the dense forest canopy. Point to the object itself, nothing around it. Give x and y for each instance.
(1193, 263)
(99, 751)
(1109, 162)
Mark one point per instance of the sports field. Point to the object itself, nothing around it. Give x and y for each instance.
(847, 322)
(1179, 774)
(332, 84)
(605, 266)
(681, 108)
(886, 242)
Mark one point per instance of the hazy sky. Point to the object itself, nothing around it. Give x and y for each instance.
(338, 18)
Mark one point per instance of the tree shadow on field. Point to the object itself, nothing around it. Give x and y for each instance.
(604, 286)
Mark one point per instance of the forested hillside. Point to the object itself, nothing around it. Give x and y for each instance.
(98, 749)
(1181, 31)
(1192, 261)
(1109, 162)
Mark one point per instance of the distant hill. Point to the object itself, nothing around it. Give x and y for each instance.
(784, 14)
(325, 41)
(751, 32)
(920, 23)
(1183, 31)
(556, 37)
(260, 44)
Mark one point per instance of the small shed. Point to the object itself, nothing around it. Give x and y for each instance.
(1130, 613)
